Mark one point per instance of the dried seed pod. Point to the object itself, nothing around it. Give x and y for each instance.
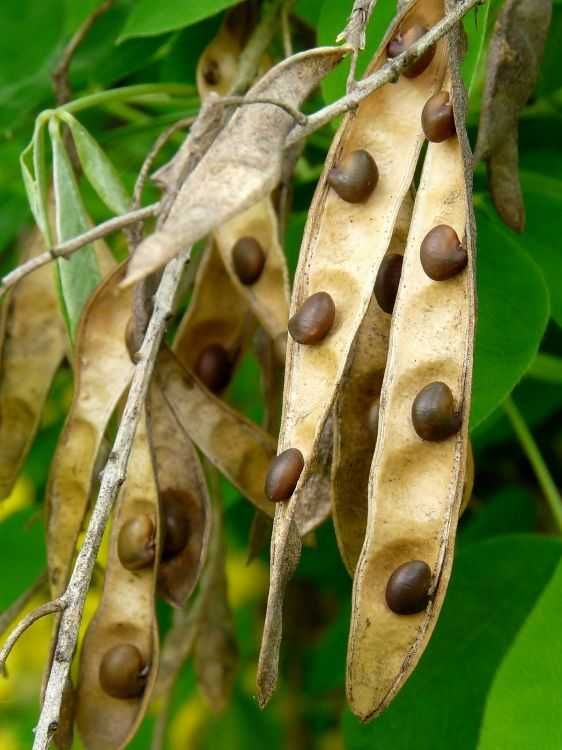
(355, 178)
(433, 412)
(123, 671)
(438, 120)
(388, 280)
(248, 260)
(214, 368)
(406, 36)
(314, 319)
(373, 417)
(468, 479)
(424, 479)
(175, 525)
(334, 226)
(283, 475)
(442, 254)
(407, 590)
(136, 542)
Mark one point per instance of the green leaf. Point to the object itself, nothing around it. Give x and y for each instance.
(523, 706)
(477, 25)
(513, 310)
(79, 274)
(22, 539)
(98, 168)
(495, 585)
(309, 10)
(513, 510)
(149, 18)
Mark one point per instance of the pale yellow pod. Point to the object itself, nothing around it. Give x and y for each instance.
(125, 616)
(416, 485)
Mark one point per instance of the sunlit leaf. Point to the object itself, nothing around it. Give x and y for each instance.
(149, 18)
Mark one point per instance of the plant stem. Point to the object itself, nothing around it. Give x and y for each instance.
(126, 93)
(547, 368)
(536, 460)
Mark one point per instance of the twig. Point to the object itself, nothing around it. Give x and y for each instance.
(71, 246)
(355, 34)
(8, 616)
(286, 29)
(49, 608)
(240, 101)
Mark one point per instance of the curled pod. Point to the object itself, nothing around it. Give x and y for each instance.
(355, 178)
(441, 253)
(123, 671)
(136, 542)
(248, 260)
(314, 319)
(407, 590)
(433, 412)
(214, 367)
(388, 281)
(403, 40)
(438, 119)
(283, 475)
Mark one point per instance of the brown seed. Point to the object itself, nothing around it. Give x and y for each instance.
(441, 253)
(211, 73)
(403, 40)
(355, 178)
(283, 474)
(214, 368)
(136, 542)
(388, 280)
(314, 319)
(175, 525)
(407, 590)
(438, 119)
(433, 412)
(373, 417)
(248, 259)
(123, 671)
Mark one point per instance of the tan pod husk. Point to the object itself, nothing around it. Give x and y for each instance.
(415, 485)
(33, 344)
(354, 441)
(102, 372)
(126, 614)
(340, 254)
(180, 475)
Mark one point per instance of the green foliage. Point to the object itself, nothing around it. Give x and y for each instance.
(149, 18)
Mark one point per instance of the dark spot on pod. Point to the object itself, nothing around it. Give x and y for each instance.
(211, 73)
(355, 178)
(433, 412)
(123, 671)
(248, 259)
(441, 253)
(373, 417)
(403, 40)
(214, 368)
(388, 280)
(283, 475)
(438, 119)
(136, 542)
(314, 319)
(407, 590)
(175, 525)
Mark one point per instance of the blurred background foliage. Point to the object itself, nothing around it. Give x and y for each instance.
(491, 676)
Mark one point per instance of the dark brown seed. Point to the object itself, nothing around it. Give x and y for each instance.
(355, 178)
(248, 259)
(123, 671)
(314, 319)
(433, 412)
(211, 73)
(175, 525)
(438, 120)
(136, 542)
(403, 40)
(373, 417)
(441, 253)
(283, 475)
(214, 368)
(388, 280)
(407, 590)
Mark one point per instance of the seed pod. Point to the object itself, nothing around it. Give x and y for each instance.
(373, 417)
(326, 262)
(248, 260)
(438, 120)
(175, 526)
(283, 475)
(388, 280)
(214, 368)
(123, 672)
(441, 253)
(407, 590)
(314, 319)
(468, 479)
(408, 35)
(433, 413)
(136, 542)
(355, 178)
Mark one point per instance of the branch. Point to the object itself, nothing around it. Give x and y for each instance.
(242, 101)
(57, 605)
(355, 34)
(8, 616)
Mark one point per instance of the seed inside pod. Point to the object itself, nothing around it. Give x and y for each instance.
(283, 475)
(433, 412)
(441, 253)
(388, 280)
(214, 368)
(373, 417)
(314, 319)
(175, 525)
(407, 590)
(403, 40)
(438, 119)
(211, 73)
(248, 259)
(136, 542)
(123, 671)
(355, 178)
